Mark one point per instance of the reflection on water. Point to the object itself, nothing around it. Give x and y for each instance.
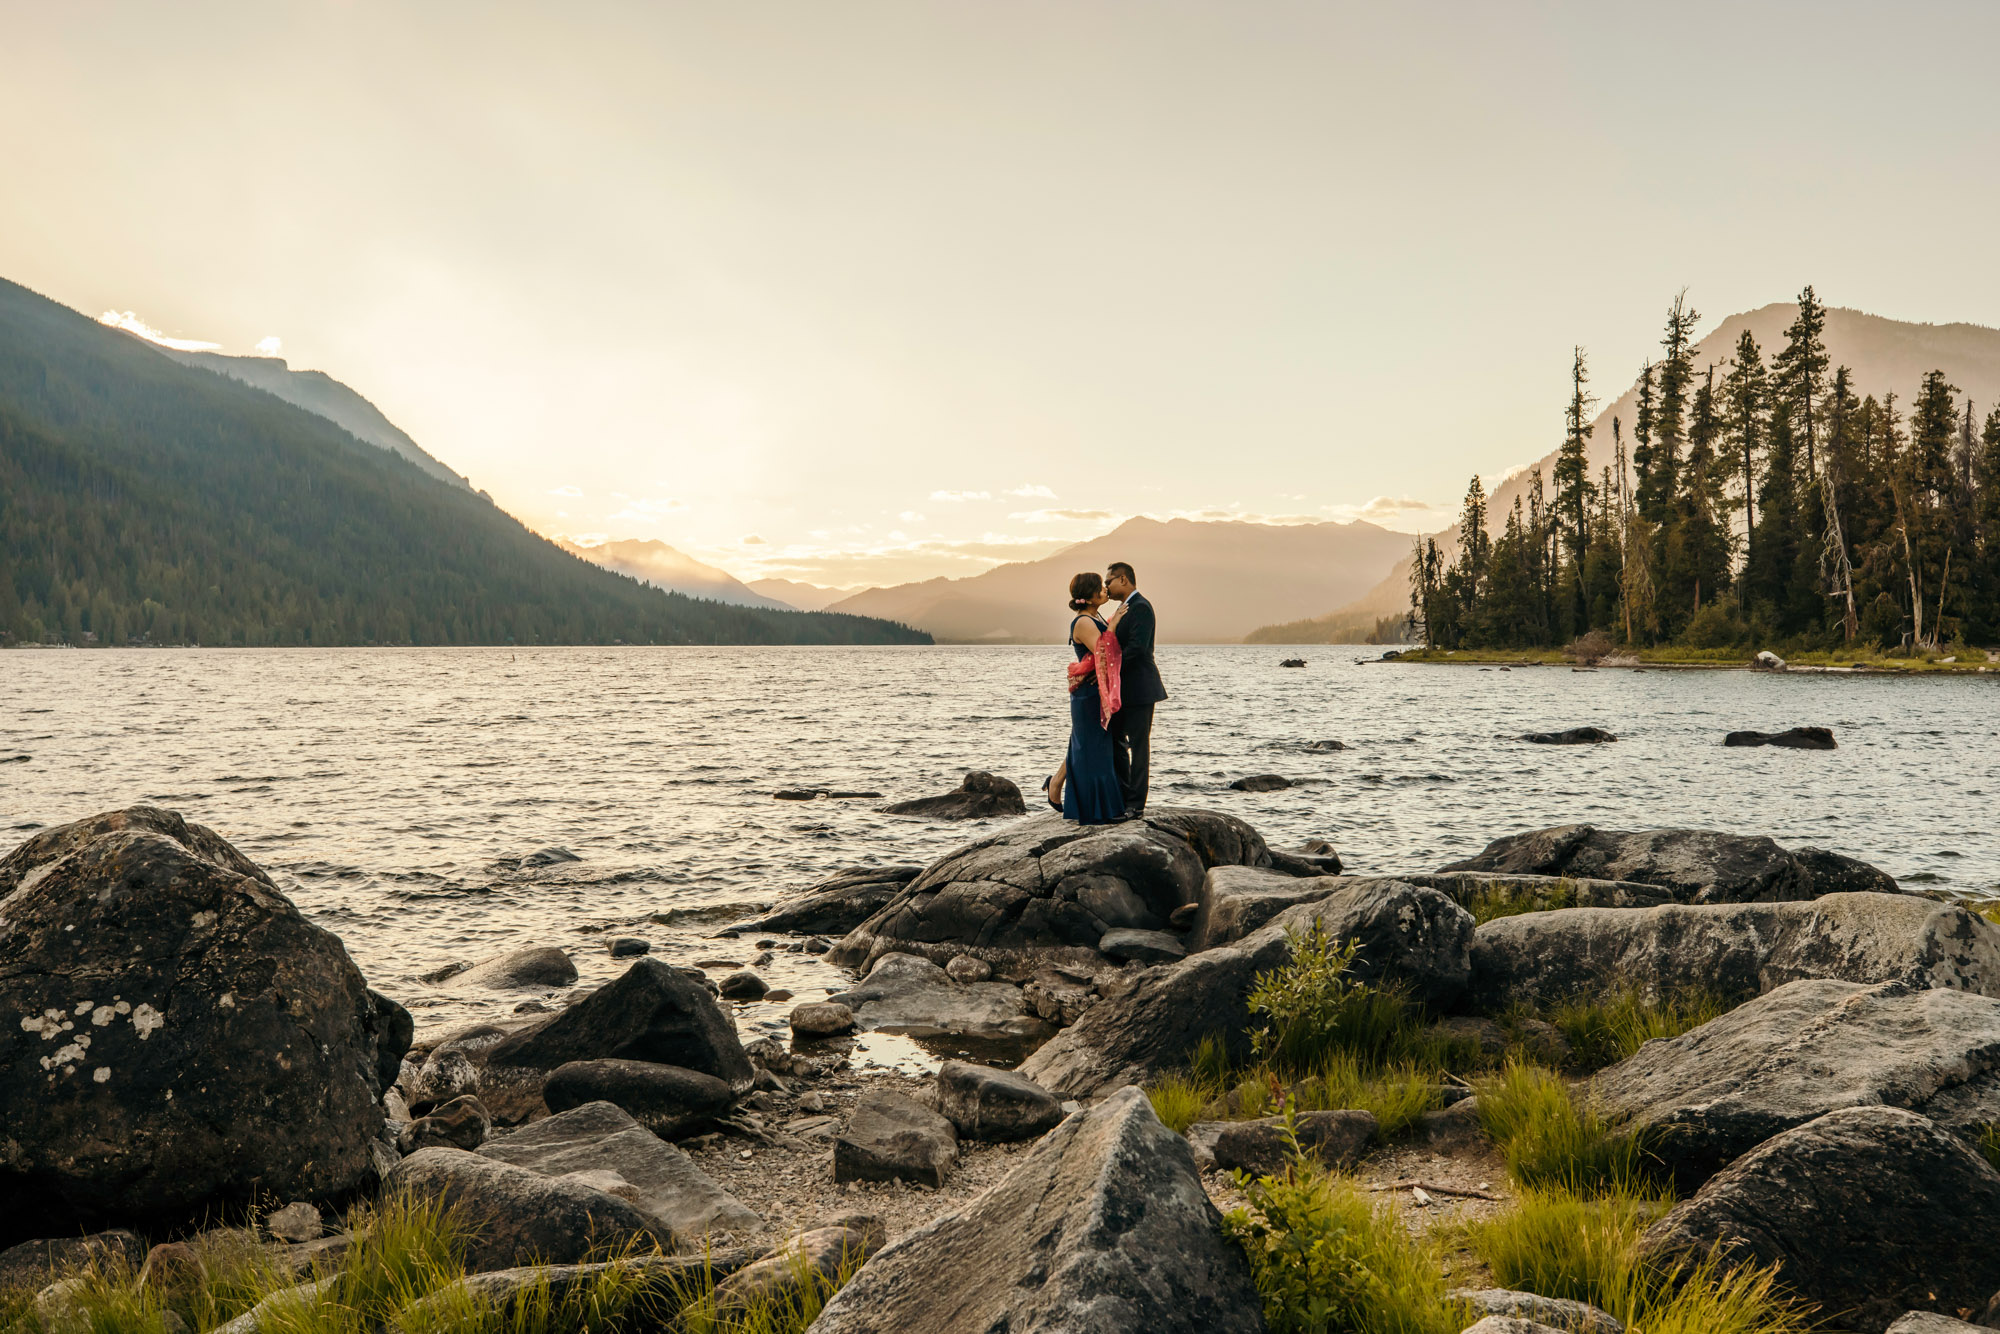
(392, 791)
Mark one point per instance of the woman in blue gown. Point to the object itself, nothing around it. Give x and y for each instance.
(1090, 791)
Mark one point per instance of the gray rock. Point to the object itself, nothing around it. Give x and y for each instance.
(1315, 856)
(1572, 736)
(1262, 783)
(1871, 1211)
(447, 1073)
(1060, 995)
(1236, 901)
(1130, 944)
(965, 968)
(1417, 938)
(892, 1138)
(1803, 1050)
(907, 994)
(666, 1099)
(627, 947)
(1795, 738)
(597, 1136)
(1731, 950)
(1258, 1146)
(1696, 865)
(178, 1037)
(461, 1123)
(1930, 1322)
(838, 904)
(284, 1309)
(1454, 1131)
(516, 1215)
(1021, 897)
(549, 856)
(652, 1013)
(818, 1255)
(1556, 1312)
(1539, 893)
(821, 1019)
(744, 986)
(536, 966)
(297, 1222)
(982, 796)
(1510, 1324)
(1103, 1228)
(36, 1264)
(995, 1105)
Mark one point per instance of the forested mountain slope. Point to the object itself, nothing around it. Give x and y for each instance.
(141, 499)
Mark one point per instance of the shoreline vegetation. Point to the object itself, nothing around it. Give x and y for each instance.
(1973, 662)
(1750, 506)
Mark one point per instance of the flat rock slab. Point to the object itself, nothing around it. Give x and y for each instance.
(1731, 950)
(889, 1137)
(1795, 738)
(904, 993)
(1416, 938)
(599, 1137)
(1696, 865)
(1236, 901)
(1570, 736)
(516, 1215)
(995, 1105)
(1262, 783)
(1102, 1229)
(1871, 1212)
(1806, 1049)
(1130, 944)
(1043, 891)
(837, 904)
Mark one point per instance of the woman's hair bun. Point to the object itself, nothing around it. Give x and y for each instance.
(1084, 588)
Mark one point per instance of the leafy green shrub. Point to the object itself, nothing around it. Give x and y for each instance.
(1312, 1005)
(1604, 1032)
(1327, 1258)
(1492, 901)
(1549, 1139)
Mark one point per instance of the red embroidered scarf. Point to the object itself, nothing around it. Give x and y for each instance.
(1103, 664)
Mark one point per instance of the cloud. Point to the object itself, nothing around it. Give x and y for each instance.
(131, 323)
(1032, 492)
(1064, 516)
(754, 541)
(1390, 511)
(270, 345)
(954, 497)
(567, 491)
(910, 516)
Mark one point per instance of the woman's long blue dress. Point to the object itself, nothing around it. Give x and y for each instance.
(1091, 795)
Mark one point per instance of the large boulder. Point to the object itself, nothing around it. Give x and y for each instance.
(995, 1105)
(1044, 891)
(837, 904)
(179, 1039)
(598, 1137)
(666, 1099)
(1150, 1023)
(1103, 1228)
(1801, 1051)
(1697, 865)
(515, 1216)
(654, 1012)
(1731, 950)
(904, 993)
(1235, 901)
(1870, 1212)
(981, 796)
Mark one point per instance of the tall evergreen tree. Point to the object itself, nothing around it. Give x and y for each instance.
(1573, 485)
(1743, 394)
(1800, 372)
(1698, 552)
(1660, 480)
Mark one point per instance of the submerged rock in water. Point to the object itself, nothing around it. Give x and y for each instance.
(1574, 736)
(1695, 865)
(1038, 890)
(549, 856)
(1801, 1051)
(535, 966)
(1869, 1211)
(187, 1040)
(1415, 938)
(1731, 951)
(839, 903)
(1103, 1229)
(1796, 738)
(1262, 783)
(980, 797)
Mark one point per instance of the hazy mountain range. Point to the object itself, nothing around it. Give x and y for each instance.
(664, 567)
(1885, 356)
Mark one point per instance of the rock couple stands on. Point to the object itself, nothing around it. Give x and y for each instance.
(184, 1041)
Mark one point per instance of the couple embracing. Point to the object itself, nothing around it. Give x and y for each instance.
(1113, 686)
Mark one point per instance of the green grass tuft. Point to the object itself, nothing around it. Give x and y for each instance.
(1549, 1138)
(1604, 1032)
(1493, 901)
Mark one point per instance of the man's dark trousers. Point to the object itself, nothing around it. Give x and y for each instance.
(1132, 752)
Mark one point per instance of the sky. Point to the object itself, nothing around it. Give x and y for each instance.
(860, 292)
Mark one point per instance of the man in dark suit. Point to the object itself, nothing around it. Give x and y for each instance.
(1139, 688)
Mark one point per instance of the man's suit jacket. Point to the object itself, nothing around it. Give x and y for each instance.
(1139, 679)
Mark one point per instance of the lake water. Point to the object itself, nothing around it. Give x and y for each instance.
(385, 788)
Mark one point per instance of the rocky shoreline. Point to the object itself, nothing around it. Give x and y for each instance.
(184, 1049)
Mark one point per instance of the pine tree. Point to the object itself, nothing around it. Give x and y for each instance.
(1836, 566)
(1800, 371)
(1573, 485)
(1659, 481)
(1743, 393)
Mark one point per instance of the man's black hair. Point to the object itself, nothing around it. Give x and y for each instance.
(1120, 567)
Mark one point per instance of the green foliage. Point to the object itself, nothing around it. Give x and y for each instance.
(1603, 1032)
(1989, 1143)
(144, 500)
(789, 1311)
(1325, 1257)
(1312, 1005)
(1498, 899)
(1558, 1243)
(1549, 1138)
(1178, 1099)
